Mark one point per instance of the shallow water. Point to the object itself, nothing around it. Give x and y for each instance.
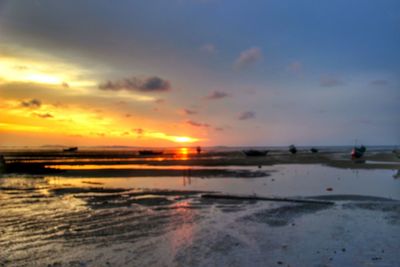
(283, 180)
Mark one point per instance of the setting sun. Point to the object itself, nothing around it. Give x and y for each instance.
(185, 139)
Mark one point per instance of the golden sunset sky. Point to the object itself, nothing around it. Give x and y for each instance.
(166, 73)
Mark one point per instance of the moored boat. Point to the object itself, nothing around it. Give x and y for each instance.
(255, 153)
(358, 152)
(150, 153)
(292, 149)
(70, 149)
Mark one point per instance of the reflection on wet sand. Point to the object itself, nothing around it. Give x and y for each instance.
(183, 236)
(97, 226)
(122, 211)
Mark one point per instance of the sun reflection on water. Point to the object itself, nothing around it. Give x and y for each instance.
(183, 235)
(182, 153)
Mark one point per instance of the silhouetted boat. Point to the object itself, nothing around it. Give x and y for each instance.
(292, 149)
(358, 152)
(149, 153)
(70, 149)
(314, 150)
(2, 164)
(255, 153)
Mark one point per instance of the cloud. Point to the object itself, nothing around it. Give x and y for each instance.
(33, 103)
(330, 81)
(248, 57)
(217, 95)
(247, 115)
(65, 85)
(43, 115)
(149, 84)
(138, 130)
(209, 48)
(197, 124)
(379, 82)
(187, 111)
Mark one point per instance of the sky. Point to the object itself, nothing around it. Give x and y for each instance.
(199, 72)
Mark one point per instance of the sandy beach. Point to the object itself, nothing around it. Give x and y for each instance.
(119, 209)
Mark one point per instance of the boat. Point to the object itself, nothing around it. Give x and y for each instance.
(150, 153)
(292, 149)
(255, 153)
(70, 149)
(314, 150)
(358, 152)
(2, 164)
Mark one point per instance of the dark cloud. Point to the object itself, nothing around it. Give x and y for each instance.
(128, 115)
(219, 129)
(149, 84)
(138, 131)
(197, 124)
(329, 81)
(248, 57)
(44, 115)
(187, 111)
(217, 95)
(379, 82)
(247, 115)
(33, 103)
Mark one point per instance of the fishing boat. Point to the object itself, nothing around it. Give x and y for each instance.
(255, 153)
(358, 152)
(70, 149)
(2, 164)
(150, 153)
(292, 149)
(314, 150)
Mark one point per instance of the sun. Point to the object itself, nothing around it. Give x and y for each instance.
(184, 139)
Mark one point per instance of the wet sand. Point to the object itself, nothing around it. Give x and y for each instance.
(133, 211)
(46, 225)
